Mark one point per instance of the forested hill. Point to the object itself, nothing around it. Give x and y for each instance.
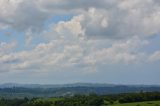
(35, 90)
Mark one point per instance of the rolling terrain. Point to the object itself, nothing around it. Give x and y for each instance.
(36, 90)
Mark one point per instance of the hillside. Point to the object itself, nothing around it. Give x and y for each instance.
(35, 90)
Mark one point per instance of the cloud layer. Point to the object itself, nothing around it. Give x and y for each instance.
(100, 32)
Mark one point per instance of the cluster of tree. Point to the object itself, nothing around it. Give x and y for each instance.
(139, 97)
(12, 102)
(50, 91)
(38, 103)
(83, 100)
(25, 102)
(79, 100)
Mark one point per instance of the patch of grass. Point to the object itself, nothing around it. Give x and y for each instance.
(148, 103)
(49, 99)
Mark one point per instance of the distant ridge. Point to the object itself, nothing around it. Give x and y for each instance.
(14, 90)
(11, 85)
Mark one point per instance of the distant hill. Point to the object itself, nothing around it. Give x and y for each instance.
(9, 90)
(10, 85)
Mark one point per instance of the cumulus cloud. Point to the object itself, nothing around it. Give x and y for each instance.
(21, 15)
(43, 57)
(120, 28)
(105, 18)
(69, 53)
(119, 52)
(6, 47)
(155, 56)
(71, 5)
(125, 19)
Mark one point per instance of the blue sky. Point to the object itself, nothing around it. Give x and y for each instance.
(107, 41)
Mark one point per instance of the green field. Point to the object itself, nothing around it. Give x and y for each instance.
(48, 99)
(148, 103)
(127, 99)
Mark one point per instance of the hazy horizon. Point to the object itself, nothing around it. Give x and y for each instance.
(61, 42)
(80, 83)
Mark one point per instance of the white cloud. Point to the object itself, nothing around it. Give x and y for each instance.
(21, 15)
(155, 56)
(6, 47)
(120, 52)
(124, 24)
(29, 37)
(105, 18)
(72, 27)
(62, 54)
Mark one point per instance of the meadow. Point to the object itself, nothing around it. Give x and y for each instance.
(126, 99)
(147, 103)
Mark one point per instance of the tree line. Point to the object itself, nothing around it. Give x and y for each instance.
(83, 100)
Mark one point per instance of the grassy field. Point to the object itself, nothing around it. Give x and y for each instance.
(148, 103)
(50, 99)
(53, 100)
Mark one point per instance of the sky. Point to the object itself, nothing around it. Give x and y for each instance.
(69, 41)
